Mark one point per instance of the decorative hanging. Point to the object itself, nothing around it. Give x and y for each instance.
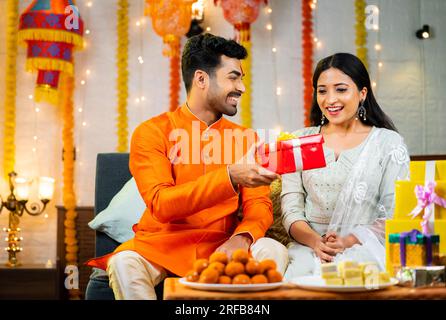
(10, 87)
(69, 196)
(171, 20)
(51, 29)
(361, 32)
(241, 14)
(122, 56)
(307, 58)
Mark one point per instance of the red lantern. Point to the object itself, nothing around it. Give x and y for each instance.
(171, 20)
(241, 13)
(51, 29)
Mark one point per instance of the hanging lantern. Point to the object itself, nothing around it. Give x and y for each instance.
(171, 20)
(51, 29)
(241, 13)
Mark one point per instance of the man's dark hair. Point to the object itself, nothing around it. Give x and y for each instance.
(204, 51)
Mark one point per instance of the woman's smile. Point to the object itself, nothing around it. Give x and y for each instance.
(334, 110)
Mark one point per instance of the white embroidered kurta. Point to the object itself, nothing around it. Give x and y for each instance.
(312, 195)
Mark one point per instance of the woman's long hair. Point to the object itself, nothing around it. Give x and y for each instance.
(355, 69)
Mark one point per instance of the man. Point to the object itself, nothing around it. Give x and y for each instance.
(192, 171)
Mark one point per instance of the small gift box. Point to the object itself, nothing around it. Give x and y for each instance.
(291, 155)
(412, 249)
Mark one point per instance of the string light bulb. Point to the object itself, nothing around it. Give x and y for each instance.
(269, 27)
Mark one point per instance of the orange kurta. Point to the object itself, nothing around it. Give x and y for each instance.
(191, 203)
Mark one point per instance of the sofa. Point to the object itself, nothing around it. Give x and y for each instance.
(112, 172)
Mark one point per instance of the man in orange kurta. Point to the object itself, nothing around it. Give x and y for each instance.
(195, 170)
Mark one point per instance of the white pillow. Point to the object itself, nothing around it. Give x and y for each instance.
(124, 210)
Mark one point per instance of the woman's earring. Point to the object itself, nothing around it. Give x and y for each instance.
(362, 112)
(322, 120)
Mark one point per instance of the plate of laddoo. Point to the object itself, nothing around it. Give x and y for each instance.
(240, 272)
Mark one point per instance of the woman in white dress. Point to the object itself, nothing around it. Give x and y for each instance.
(339, 212)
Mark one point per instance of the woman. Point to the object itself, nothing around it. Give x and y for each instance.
(339, 212)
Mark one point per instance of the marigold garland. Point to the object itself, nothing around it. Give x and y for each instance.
(307, 59)
(361, 32)
(10, 87)
(244, 36)
(123, 74)
(69, 196)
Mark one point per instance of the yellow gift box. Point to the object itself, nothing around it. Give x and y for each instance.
(416, 248)
(418, 170)
(406, 201)
(398, 226)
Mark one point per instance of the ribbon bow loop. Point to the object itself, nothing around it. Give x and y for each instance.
(426, 199)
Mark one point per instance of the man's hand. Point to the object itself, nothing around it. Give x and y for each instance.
(238, 241)
(247, 173)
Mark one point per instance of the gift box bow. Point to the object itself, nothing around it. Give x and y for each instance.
(426, 199)
(285, 156)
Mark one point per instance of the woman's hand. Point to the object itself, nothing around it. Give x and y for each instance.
(323, 251)
(338, 243)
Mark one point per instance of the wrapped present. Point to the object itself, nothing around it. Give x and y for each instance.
(412, 249)
(399, 226)
(424, 200)
(291, 155)
(418, 170)
(405, 201)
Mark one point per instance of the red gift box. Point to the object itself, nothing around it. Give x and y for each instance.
(287, 156)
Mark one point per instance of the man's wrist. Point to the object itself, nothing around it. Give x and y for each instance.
(245, 237)
(232, 178)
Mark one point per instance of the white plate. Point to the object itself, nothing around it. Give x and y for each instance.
(318, 284)
(231, 287)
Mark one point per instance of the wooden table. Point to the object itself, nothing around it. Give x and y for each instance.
(29, 281)
(173, 290)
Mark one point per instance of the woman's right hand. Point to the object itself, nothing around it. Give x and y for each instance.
(322, 251)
